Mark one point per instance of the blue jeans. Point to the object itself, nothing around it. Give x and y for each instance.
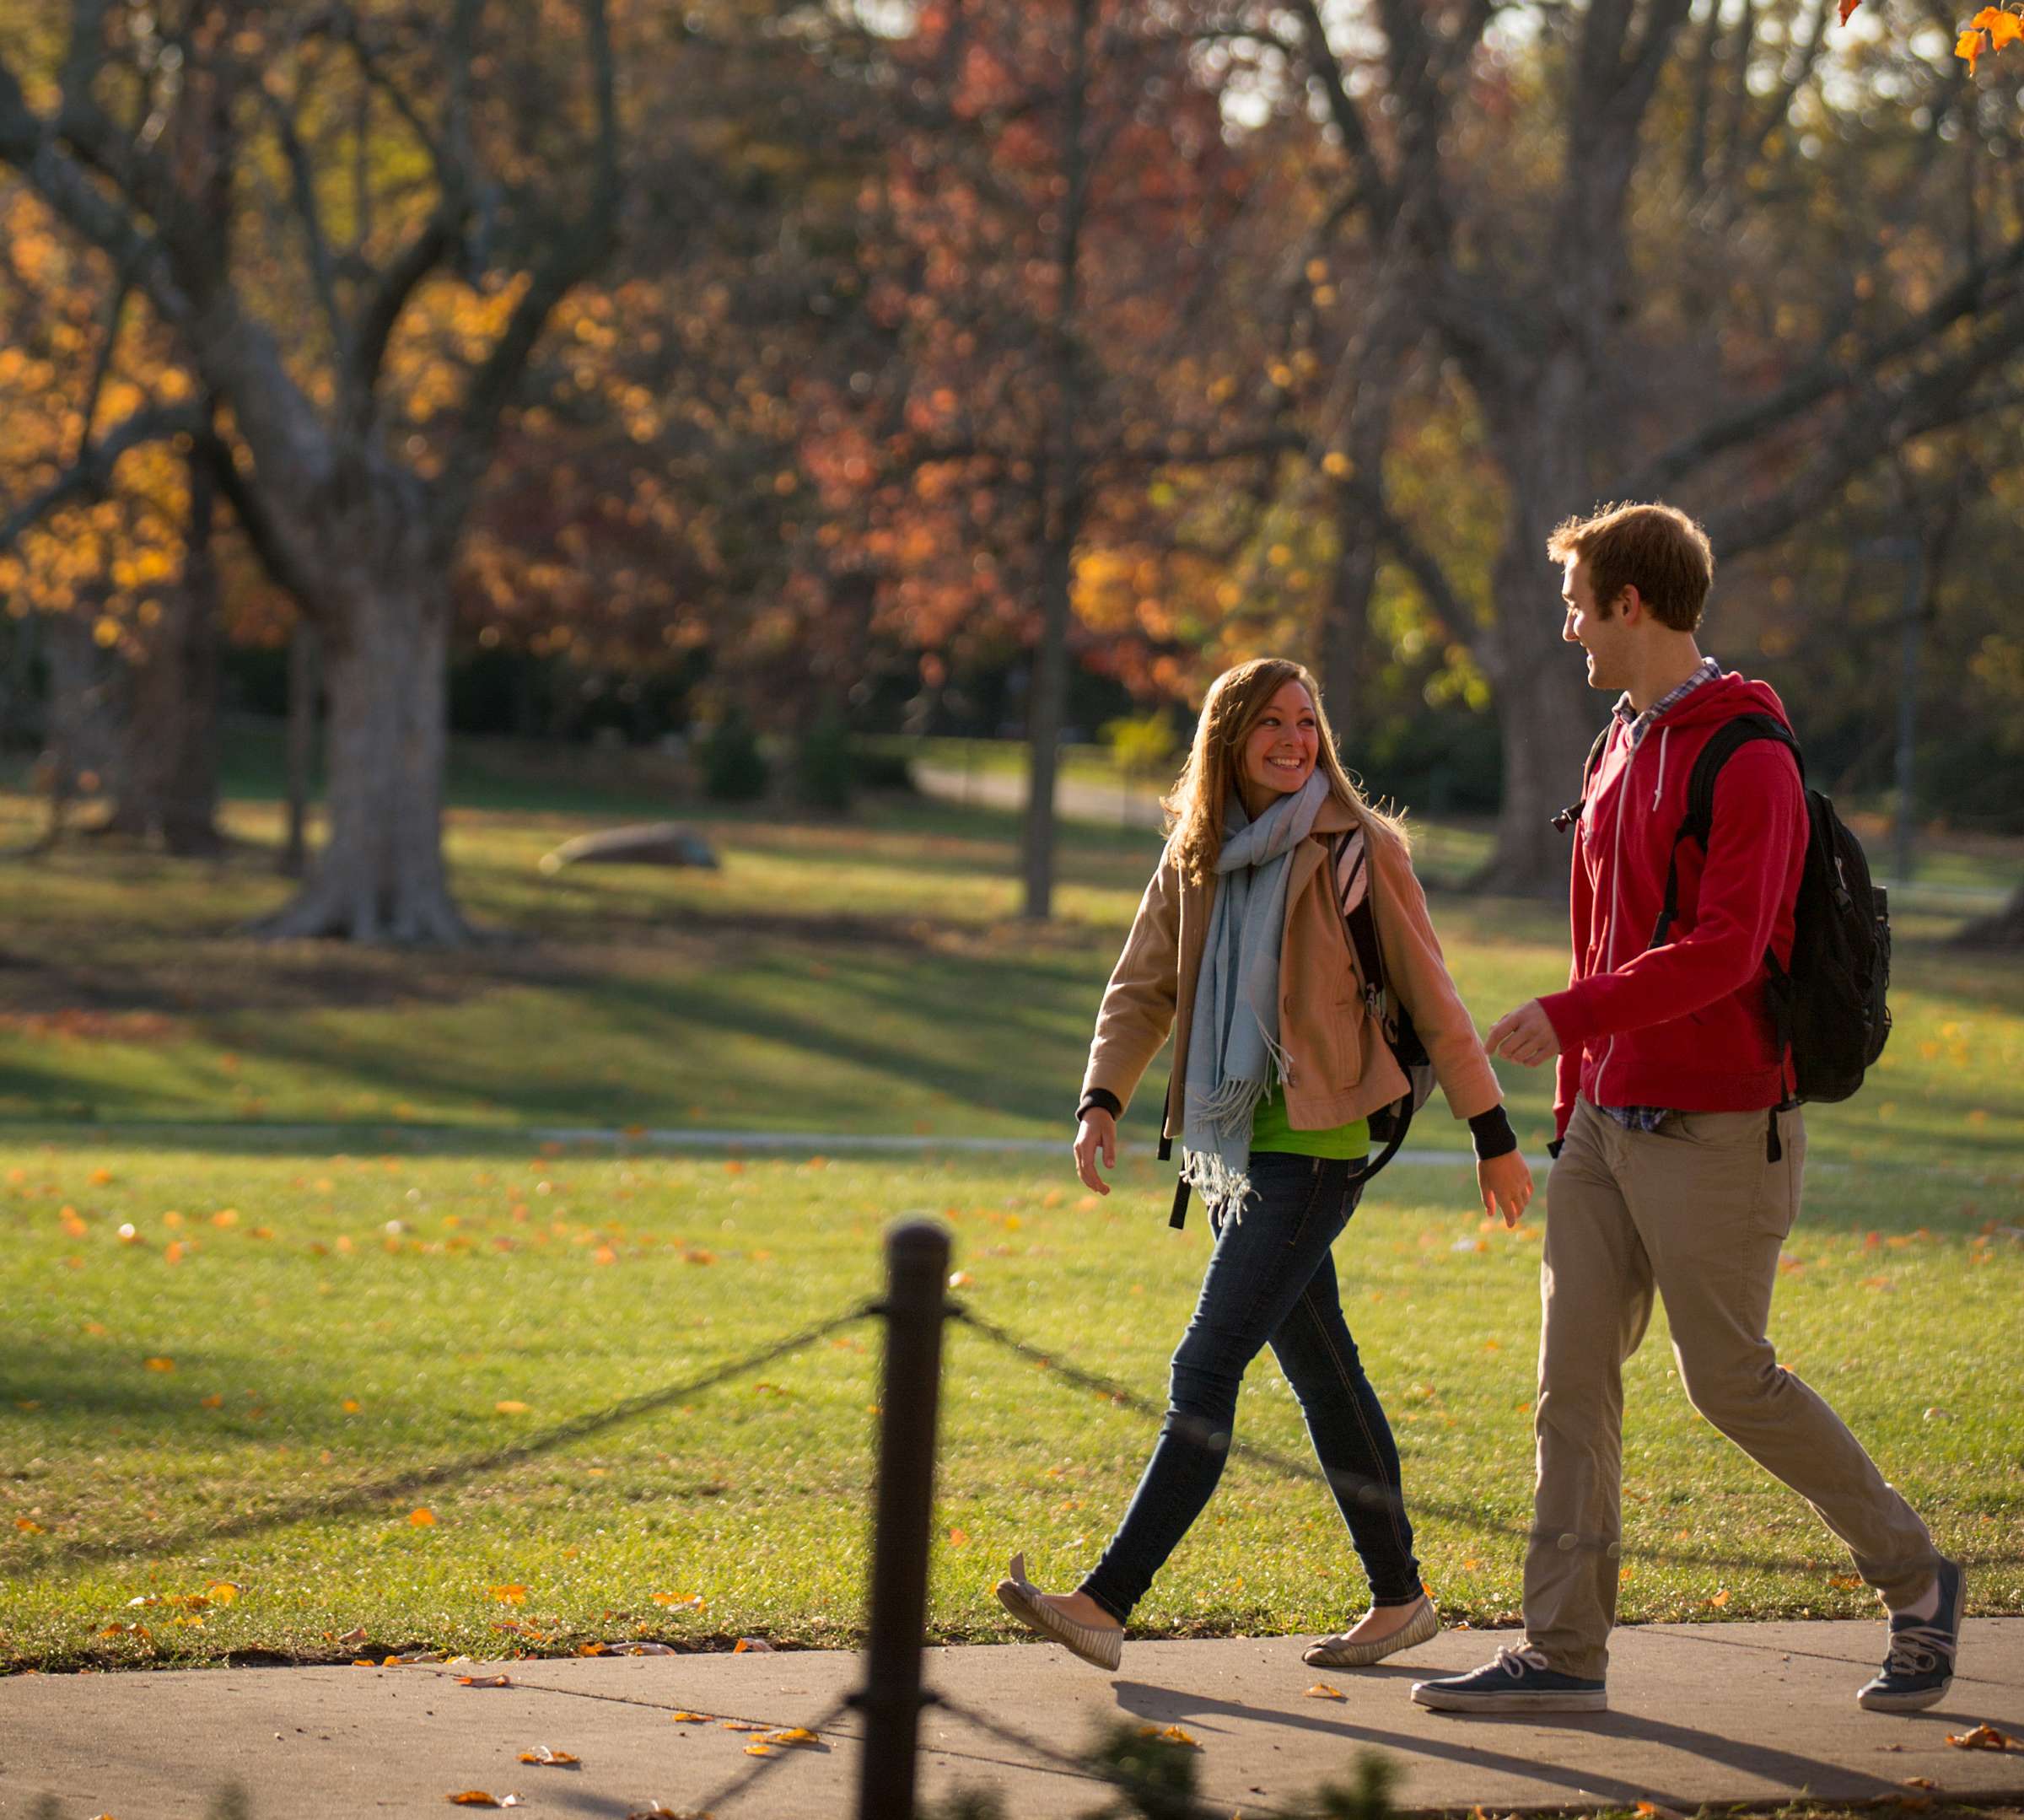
(1271, 1279)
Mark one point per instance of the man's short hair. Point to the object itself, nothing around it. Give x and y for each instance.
(1656, 549)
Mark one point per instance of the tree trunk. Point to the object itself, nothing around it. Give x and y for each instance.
(168, 777)
(82, 736)
(380, 876)
(1547, 716)
(301, 745)
(2004, 929)
(1346, 651)
(1045, 707)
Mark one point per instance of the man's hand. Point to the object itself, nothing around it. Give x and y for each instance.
(1098, 1131)
(1526, 1035)
(1505, 1183)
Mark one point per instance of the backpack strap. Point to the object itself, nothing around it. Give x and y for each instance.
(1698, 823)
(1360, 925)
(1564, 818)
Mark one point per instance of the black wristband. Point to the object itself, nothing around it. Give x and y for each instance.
(1492, 1134)
(1552, 1149)
(1099, 1097)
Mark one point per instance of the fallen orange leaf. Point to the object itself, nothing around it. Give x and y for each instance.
(159, 1365)
(1984, 1737)
(1658, 1811)
(680, 1601)
(421, 1518)
(792, 1734)
(551, 1760)
(515, 1594)
(214, 1400)
(471, 1798)
(484, 1681)
(28, 1525)
(1721, 1598)
(351, 1406)
(1168, 1735)
(509, 1405)
(761, 1750)
(754, 1644)
(739, 1724)
(1321, 1691)
(690, 1718)
(958, 1538)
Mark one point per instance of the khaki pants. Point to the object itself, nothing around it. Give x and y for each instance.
(1695, 1211)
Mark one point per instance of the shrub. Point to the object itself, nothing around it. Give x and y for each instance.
(733, 768)
(826, 766)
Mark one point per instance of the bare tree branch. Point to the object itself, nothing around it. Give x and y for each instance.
(1973, 293)
(576, 250)
(1342, 110)
(1881, 420)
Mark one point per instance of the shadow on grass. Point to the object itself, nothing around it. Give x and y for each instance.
(401, 1487)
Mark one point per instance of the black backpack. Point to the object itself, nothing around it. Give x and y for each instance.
(1829, 1010)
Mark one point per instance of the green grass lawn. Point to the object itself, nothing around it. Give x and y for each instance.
(335, 1354)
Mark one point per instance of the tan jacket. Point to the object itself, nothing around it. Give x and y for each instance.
(1340, 1067)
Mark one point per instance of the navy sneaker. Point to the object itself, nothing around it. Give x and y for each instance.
(1517, 1682)
(1920, 1667)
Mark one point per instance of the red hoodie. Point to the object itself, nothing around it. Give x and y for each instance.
(1685, 1025)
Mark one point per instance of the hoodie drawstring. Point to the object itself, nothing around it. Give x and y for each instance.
(1664, 734)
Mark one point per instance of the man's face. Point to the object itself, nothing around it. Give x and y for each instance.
(1606, 640)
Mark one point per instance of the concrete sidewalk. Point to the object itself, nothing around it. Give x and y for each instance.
(1702, 1712)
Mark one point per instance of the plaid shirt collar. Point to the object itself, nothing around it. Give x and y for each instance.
(1639, 724)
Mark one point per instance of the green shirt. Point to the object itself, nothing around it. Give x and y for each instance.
(1269, 1131)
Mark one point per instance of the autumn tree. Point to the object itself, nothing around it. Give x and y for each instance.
(106, 540)
(356, 224)
(1047, 227)
(1659, 246)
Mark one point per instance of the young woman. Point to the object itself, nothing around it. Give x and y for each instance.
(1239, 947)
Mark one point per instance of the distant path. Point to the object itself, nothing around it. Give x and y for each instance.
(1075, 799)
(1137, 806)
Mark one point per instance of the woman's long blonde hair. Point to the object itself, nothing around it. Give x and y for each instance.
(1236, 703)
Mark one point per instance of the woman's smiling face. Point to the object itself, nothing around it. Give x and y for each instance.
(1279, 751)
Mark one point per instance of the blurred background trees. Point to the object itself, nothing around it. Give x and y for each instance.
(581, 368)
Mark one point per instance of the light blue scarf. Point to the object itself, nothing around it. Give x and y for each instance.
(1233, 1046)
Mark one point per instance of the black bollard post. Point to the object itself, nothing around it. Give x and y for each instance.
(917, 1263)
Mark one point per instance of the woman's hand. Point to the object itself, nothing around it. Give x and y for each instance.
(1505, 1183)
(1098, 1132)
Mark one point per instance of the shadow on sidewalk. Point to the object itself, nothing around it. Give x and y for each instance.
(1789, 1769)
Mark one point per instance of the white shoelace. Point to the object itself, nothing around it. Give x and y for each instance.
(1918, 1650)
(1514, 1662)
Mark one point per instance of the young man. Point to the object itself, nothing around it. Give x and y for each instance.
(1678, 1149)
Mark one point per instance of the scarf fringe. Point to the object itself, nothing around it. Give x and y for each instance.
(1222, 1188)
